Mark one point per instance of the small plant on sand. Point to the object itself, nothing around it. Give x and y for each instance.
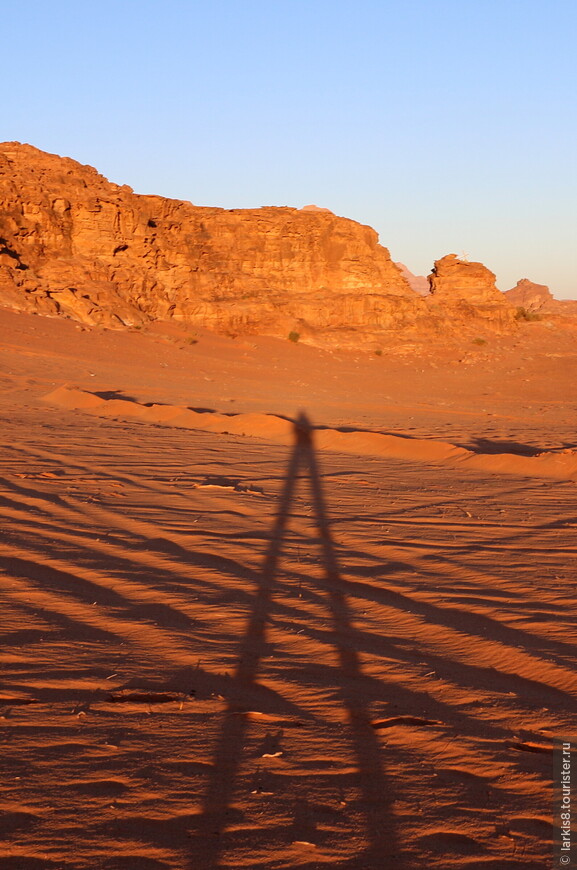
(378, 352)
(524, 314)
(480, 341)
(191, 339)
(294, 336)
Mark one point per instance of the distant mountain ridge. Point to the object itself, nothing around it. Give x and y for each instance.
(418, 283)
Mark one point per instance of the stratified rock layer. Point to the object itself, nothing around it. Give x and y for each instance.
(530, 296)
(418, 283)
(538, 299)
(464, 290)
(72, 243)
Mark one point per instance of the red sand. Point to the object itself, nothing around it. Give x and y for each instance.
(399, 716)
(561, 464)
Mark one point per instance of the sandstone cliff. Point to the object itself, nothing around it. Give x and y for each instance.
(530, 296)
(538, 299)
(464, 291)
(72, 243)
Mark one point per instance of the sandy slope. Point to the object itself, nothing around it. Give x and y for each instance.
(185, 688)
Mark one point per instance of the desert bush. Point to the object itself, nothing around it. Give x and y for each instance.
(378, 352)
(480, 341)
(524, 314)
(294, 336)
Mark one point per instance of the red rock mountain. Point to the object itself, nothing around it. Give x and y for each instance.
(74, 244)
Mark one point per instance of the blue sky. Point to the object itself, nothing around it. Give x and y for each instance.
(447, 126)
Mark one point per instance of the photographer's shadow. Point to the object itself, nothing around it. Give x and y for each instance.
(380, 849)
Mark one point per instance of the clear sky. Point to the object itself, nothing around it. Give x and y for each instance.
(450, 126)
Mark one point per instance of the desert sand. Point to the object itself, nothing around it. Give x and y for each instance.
(197, 676)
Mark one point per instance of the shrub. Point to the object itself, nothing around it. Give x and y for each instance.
(378, 352)
(294, 336)
(480, 341)
(524, 314)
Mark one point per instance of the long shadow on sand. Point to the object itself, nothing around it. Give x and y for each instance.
(381, 850)
(479, 445)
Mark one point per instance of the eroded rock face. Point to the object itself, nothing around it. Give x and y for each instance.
(538, 299)
(418, 283)
(455, 280)
(72, 243)
(530, 296)
(463, 289)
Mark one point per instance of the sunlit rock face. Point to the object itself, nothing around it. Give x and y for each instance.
(530, 296)
(538, 299)
(465, 290)
(76, 245)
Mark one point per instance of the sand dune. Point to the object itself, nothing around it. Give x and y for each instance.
(557, 464)
(196, 677)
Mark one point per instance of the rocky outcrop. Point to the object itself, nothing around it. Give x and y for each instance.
(418, 283)
(465, 290)
(538, 299)
(72, 243)
(316, 208)
(530, 296)
(455, 280)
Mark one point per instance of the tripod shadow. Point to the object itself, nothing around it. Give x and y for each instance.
(218, 813)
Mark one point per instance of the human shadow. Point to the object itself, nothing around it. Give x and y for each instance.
(217, 810)
(476, 444)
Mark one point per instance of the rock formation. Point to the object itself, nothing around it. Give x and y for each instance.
(418, 283)
(530, 296)
(538, 299)
(465, 290)
(316, 208)
(74, 244)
